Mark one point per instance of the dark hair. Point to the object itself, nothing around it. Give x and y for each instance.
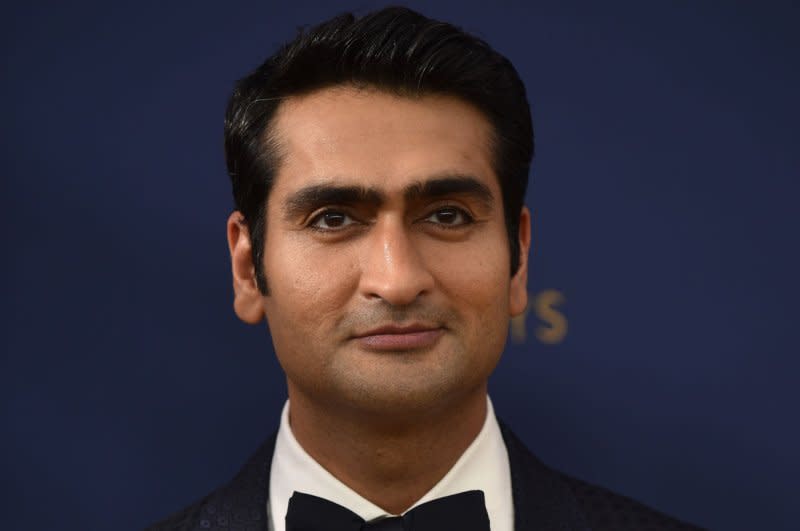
(396, 50)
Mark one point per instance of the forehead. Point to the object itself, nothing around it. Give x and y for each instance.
(367, 137)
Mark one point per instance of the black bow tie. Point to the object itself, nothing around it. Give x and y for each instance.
(465, 511)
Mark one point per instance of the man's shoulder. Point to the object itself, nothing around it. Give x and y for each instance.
(240, 504)
(183, 520)
(607, 510)
(542, 493)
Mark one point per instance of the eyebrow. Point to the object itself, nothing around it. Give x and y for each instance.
(444, 186)
(318, 195)
(312, 197)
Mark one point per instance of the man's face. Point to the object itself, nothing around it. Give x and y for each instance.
(386, 252)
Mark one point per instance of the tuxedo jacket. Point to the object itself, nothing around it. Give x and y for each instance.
(544, 500)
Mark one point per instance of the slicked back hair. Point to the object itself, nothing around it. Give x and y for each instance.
(395, 50)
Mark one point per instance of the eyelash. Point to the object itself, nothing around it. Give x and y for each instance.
(468, 219)
(312, 223)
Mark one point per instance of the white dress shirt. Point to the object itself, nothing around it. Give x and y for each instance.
(483, 466)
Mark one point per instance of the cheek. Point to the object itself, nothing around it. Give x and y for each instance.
(307, 281)
(475, 277)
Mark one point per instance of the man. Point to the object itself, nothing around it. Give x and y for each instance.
(379, 167)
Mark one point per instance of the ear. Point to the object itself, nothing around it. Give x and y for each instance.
(518, 288)
(247, 300)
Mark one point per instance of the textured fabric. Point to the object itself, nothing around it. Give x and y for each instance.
(547, 499)
(240, 505)
(544, 500)
(465, 511)
(483, 466)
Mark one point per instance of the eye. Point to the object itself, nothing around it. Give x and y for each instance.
(331, 220)
(450, 217)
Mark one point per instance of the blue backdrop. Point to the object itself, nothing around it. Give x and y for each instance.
(665, 255)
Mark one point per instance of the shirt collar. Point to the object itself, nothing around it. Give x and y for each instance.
(483, 466)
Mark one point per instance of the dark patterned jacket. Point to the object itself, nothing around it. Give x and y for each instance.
(544, 500)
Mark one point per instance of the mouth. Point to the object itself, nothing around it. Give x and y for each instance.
(396, 338)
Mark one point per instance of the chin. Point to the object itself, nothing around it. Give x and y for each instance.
(406, 402)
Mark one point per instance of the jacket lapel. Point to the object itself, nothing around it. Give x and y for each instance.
(242, 503)
(541, 500)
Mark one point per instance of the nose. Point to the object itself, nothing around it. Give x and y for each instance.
(392, 267)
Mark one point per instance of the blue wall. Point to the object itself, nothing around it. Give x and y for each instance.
(664, 195)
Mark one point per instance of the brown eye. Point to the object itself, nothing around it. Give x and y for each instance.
(449, 216)
(331, 220)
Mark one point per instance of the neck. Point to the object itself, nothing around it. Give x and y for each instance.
(390, 461)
